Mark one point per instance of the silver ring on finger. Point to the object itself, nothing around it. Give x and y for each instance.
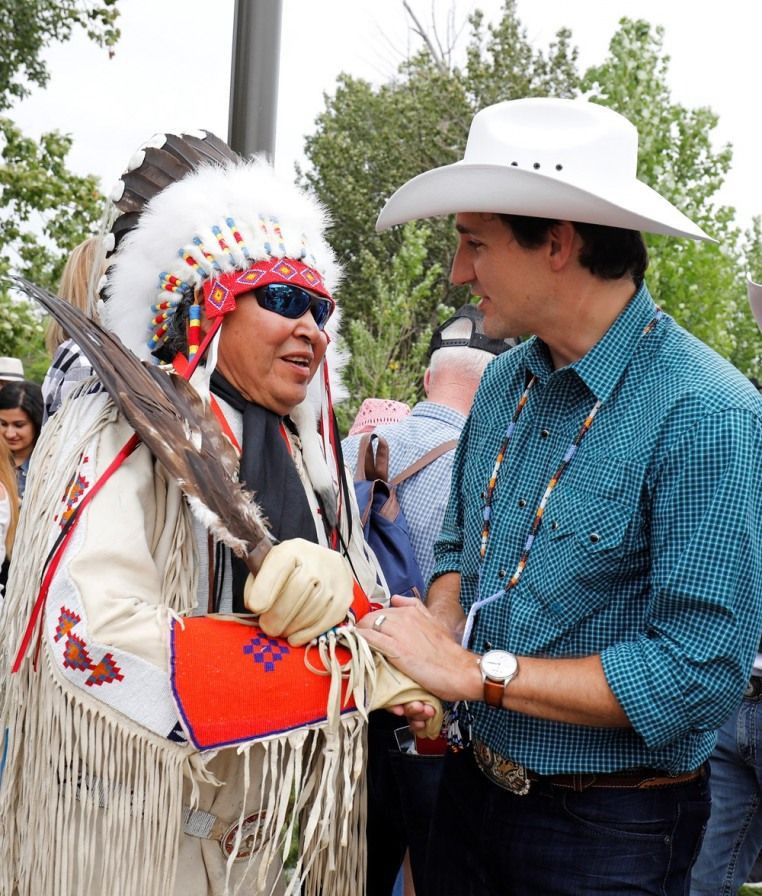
(379, 621)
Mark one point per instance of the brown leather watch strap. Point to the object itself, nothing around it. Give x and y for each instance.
(493, 693)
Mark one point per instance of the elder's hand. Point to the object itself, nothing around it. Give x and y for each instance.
(301, 591)
(394, 688)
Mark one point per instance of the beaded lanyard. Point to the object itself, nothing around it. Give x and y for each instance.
(569, 455)
(537, 521)
(456, 716)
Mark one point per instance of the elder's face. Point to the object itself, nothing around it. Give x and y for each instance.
(269, 358)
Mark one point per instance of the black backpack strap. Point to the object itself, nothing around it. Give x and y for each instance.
(422, 461)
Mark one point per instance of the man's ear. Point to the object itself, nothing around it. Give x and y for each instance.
(562, 239)
(426, 380)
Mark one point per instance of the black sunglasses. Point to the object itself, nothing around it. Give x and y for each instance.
(293, 301)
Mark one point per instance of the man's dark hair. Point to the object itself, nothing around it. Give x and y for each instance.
(607, 252)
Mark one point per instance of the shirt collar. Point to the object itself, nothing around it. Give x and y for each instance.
(440, 412)
(603, 365)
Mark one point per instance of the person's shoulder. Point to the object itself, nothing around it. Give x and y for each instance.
(692, 371)
(350, 446)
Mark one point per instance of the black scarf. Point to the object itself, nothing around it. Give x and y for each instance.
(267, 469)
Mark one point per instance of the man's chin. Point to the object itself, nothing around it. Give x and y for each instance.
(496, 329)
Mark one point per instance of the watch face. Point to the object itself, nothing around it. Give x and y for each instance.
(499, 665)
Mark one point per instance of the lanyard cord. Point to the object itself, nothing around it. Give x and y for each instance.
(568, 457)
(536, 522)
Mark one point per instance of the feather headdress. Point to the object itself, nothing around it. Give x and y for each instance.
(217, 219)
(223, 214)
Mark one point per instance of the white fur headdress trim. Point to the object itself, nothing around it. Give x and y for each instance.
(218, 218)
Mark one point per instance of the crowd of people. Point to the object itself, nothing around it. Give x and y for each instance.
(185, 707)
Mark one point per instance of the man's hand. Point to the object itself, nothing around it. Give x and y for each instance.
(423, 648)
(443, 602)
(563, 689)
(301, 591)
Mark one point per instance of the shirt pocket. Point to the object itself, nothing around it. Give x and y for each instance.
(579, 554)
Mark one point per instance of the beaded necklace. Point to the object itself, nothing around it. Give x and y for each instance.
(569, 455)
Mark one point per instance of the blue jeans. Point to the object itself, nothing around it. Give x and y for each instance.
(558, 842)
(734, 833)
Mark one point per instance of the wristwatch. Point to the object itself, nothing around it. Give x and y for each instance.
(498, 667)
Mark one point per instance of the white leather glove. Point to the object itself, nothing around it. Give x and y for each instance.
(394, 688)
(301, 591)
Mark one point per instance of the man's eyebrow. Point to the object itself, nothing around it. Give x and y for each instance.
(475, 228)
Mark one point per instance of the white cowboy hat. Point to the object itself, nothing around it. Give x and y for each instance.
(755, 300)
(545, 158)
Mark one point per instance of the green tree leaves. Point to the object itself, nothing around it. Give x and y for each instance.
(389, 345)
(31, 25)
(368, 141)
(699, 284)
(45, 209)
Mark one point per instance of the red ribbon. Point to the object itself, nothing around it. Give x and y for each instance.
(127, 449)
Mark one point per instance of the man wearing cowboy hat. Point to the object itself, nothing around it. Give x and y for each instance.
(593, 610)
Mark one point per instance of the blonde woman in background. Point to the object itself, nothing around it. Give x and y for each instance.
(69, 367)
(9, 513)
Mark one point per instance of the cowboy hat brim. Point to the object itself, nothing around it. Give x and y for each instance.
(465, 187)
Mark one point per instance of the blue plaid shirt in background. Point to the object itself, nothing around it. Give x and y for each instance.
(423, 497)
(650, 549)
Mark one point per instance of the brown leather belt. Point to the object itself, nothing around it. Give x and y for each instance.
(639, 778)
(516, 778)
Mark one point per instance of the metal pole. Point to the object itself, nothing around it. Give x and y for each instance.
(254, 76)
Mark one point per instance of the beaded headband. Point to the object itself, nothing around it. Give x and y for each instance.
(233, 220)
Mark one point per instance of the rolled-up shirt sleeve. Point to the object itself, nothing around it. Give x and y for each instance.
(705, 615)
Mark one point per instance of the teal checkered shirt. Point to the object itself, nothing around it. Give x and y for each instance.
(650, 549)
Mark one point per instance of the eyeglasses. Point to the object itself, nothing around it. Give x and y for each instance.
(293, 301)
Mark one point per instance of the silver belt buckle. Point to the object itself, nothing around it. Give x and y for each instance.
(510, 775)
(251, 837)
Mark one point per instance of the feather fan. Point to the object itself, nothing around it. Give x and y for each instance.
(178, 428)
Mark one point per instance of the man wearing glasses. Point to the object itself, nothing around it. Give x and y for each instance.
(150, 749)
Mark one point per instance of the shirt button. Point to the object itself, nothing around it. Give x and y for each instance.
(554, 525)
(522, 502)
(595, 537)
(544, 433)
(501, 574)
